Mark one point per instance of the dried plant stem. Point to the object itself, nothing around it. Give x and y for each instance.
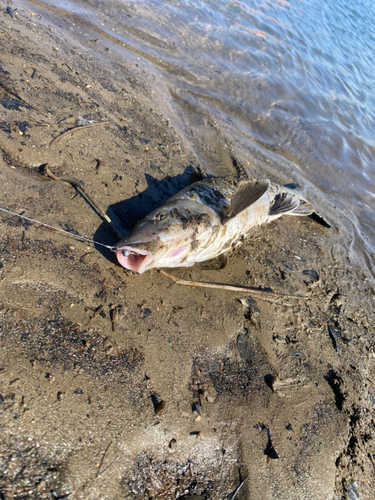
(80, 186)
(75, 129)
(102, 459)
(95, 315)
(233, 288)
(236, 491)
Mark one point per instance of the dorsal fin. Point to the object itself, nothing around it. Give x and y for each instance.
(283, 203)
(247, 194)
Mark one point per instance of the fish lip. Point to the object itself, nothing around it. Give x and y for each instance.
(138, 262)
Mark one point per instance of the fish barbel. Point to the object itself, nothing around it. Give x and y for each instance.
(205, 220)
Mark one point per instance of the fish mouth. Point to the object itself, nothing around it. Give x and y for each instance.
(134, 259)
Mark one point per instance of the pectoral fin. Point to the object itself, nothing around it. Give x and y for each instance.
(247, 194)
(284, 203)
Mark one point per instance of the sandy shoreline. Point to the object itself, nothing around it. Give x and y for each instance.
(285, 389)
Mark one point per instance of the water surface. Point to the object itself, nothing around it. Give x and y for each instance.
(296, 77)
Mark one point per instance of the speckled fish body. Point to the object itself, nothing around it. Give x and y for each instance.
(203, 221)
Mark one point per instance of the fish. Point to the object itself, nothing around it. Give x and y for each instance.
(205, 220)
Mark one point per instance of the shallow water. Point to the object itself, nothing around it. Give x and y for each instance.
(297, 77)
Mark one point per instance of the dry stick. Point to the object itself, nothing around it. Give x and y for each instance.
(96, 313)
(102, 460)
(233, 288)
(72, 130)
(80, 186)
(42, 124)
(236, 491)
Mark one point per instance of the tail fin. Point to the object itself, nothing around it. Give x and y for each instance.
(304, 208)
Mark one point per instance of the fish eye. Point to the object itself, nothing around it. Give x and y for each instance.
(126, 253)
(160, 216)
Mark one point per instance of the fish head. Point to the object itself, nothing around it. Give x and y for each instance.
(162, 239)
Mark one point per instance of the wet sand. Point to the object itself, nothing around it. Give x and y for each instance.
(116, 385)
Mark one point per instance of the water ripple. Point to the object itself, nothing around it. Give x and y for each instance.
(298, 77)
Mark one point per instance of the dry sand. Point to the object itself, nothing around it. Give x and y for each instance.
(169, 390)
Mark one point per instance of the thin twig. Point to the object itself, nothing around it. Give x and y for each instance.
(235, 493)
(81, 187)
(42, 124)
(102, 459)
(96, 313)
(74, 129)
(47, 172)
(108, 466)
(233, 288)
